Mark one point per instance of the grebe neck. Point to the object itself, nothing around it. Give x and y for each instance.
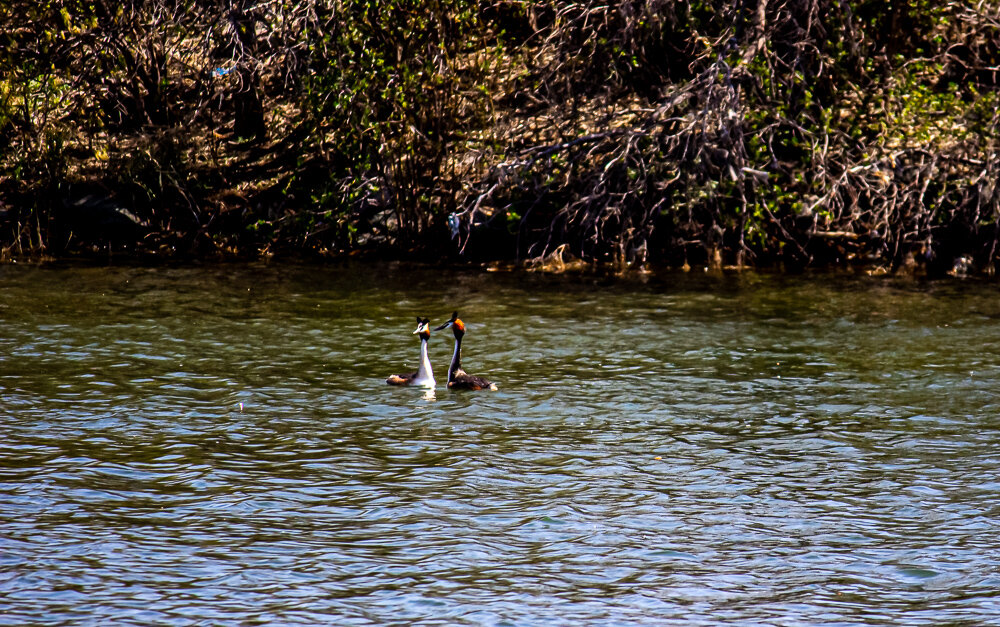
(425, 377)
(456, 359)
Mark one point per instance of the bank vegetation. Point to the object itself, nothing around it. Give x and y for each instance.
(792, 133)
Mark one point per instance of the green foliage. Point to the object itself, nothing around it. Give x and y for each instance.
(391, 87)
(803, 132)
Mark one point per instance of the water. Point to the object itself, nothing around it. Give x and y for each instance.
(217, 446)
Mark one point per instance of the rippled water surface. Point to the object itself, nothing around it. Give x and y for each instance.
(216, 446)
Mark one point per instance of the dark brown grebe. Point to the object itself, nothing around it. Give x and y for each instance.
(423, 377)
(458, 379)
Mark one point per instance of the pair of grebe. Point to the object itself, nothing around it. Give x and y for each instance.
(458, 379)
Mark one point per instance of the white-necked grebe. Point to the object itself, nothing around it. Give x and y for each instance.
(423, 377)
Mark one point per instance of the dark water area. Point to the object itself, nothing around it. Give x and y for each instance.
(216, 445)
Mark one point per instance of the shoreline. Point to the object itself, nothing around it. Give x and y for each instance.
(538, 267)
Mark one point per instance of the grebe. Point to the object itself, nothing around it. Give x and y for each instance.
(458, 379)
(423, 377)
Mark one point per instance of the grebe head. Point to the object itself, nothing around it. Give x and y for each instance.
(423, 328)
(457, 326)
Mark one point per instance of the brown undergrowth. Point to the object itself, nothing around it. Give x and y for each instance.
(806, 133)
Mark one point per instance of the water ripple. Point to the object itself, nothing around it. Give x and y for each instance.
(188, 446)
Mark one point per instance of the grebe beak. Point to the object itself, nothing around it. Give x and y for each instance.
(454, 317)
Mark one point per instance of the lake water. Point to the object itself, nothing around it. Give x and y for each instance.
(216, 445)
